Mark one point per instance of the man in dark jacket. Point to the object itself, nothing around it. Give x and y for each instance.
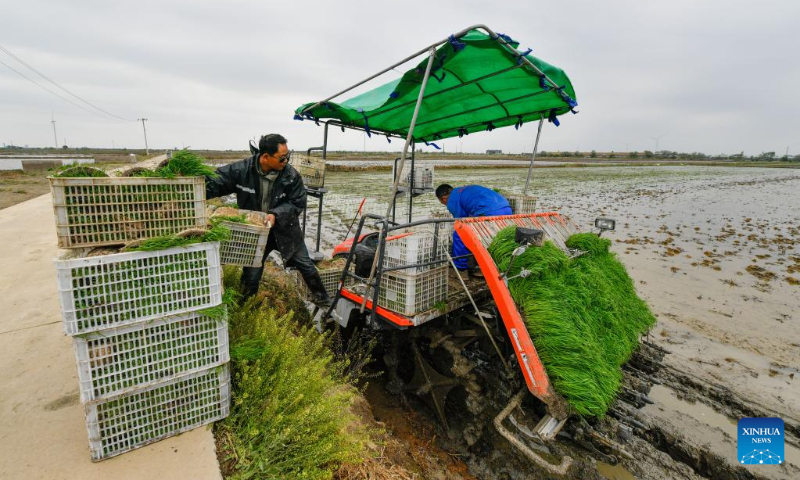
(266, 182)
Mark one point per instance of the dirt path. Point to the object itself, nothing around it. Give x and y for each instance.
(42, 430)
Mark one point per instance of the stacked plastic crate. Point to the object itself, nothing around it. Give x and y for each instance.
(330, 275)
(522, 203)
(152, 354)
(311, 169)
(422, 177)
(417, 289)
(247, 241)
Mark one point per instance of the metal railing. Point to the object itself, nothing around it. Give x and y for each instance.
(373, 286)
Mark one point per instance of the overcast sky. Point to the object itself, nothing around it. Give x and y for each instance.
(717, 76)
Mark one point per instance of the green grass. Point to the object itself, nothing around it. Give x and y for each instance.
(290, 416)
(583, 314)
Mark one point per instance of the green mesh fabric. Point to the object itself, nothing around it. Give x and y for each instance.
(461, 96)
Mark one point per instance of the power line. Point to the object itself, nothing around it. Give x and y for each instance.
(23, 62)
(47, 89)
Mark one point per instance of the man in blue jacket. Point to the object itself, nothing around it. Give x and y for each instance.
(470, 201)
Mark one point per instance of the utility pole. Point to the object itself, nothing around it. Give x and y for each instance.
(55, 137)
(146, 148)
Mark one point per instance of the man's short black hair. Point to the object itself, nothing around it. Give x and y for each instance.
(269, 143)
(443, 189)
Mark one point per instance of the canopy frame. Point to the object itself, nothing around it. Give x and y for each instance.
(500, 38)
(523, 61)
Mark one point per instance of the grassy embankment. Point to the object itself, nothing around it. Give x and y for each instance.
(291, 413)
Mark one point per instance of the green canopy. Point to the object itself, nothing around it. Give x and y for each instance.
(476, 84)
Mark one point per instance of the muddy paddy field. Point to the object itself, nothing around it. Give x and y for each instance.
(713, 250)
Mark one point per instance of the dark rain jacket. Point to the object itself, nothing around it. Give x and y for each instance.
(287, 203)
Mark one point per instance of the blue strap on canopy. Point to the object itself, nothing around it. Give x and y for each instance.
(505, 37)
(523, 55)
(543, 84)
(431, 144)
(457, 45)
(552, 118)
(366, 122)
(564, 96)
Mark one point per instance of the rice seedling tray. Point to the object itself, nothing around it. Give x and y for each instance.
(96, 211)
(98, 293)
(122, 359)
(125, 422)
(311, 169)
(247, 242)
(409, 294)
(522, 203)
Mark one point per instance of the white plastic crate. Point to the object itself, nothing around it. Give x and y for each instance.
(423, 176)
(118, 360)
(409, 294)
(330, 279)
(132, 420)
(246, 245)
(92, 212)
(416, 247)
(109, 291)
(522, 203)
(311, 168)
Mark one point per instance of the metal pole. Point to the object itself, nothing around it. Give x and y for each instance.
(146, 148)
(533, 159)
(305, 214)
(411, 184)
(325, 142)
(413, 124)
(409, 137)
(55, 137)
(319, 216)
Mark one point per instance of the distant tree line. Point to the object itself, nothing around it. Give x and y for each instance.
(672, 155)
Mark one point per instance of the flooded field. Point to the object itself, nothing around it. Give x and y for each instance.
(714, 252)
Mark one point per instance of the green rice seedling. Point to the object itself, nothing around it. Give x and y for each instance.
(186, 164)
(79, 171)
(182, 164)
(583, 315)
(228, 218)
(217, 233)
(230, 300)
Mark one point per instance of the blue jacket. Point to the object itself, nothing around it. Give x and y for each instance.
(476, 201)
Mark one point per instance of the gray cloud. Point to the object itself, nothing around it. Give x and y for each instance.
(713, 76)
